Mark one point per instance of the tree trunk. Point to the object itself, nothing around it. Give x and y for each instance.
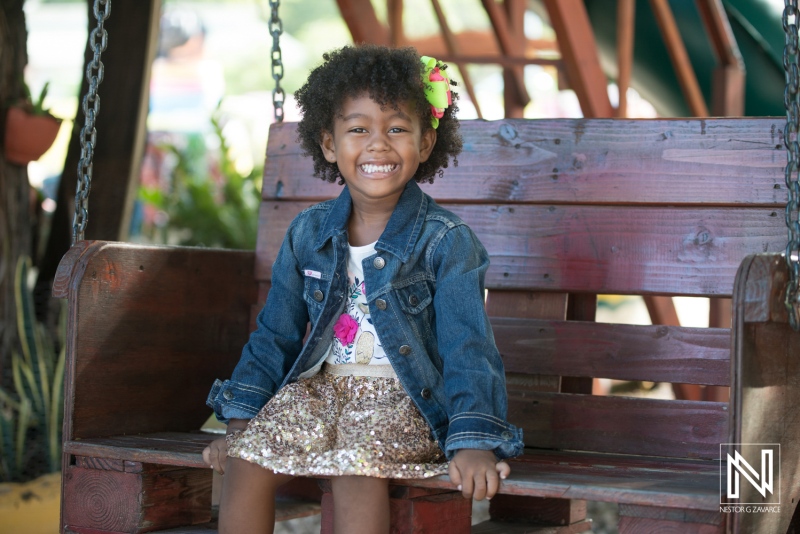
(15, 219)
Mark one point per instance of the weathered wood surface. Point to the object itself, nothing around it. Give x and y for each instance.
(625, 425)
(624, 352)
(645, 480)
(765, 391)
(103, 500)
(141, 318)
(596, 249)
(499, 527)
(678, 162)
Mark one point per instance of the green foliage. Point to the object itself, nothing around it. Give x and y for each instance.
(31, 414)
(36, 106)
(209, 203)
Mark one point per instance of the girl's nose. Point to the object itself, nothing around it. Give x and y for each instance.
(378, 142)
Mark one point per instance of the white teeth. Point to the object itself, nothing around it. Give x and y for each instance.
(369, 168)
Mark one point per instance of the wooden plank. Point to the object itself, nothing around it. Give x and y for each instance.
(664, 482)
(537, 510)
(672, 514)
(623, 352)
(641, 525)
(677, 162)
(682, 429)
(610, 250)
(137, 316)
(501, 527)
(165, 448)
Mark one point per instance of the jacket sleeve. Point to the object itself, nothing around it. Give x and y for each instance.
(272, 348)
(474, 377)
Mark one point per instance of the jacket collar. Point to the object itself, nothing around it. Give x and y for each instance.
(401, 232)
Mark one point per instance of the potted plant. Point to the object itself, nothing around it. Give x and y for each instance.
(30, 129)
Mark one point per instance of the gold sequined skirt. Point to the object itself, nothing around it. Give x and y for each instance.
(339, 424)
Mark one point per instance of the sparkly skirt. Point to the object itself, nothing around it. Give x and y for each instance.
(338, 423)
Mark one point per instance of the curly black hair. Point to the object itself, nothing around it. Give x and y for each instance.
(389, 76)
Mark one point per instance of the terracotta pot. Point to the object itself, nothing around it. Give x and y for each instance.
(28, 136)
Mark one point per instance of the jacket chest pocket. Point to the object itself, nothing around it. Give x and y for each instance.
(414, 298)
(315, 293)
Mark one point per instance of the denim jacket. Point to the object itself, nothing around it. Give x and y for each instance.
(425, 292)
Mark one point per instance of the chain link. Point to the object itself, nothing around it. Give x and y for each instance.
(98, 41)
(276, 29)
(791, 65)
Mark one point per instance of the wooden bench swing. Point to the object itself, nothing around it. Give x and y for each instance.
(568, 209)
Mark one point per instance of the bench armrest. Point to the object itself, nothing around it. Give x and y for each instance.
(765, 383)
(149, 328)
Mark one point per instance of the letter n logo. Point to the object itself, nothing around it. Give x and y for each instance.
(760, 475)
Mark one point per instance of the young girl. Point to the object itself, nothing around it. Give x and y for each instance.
(399, 374)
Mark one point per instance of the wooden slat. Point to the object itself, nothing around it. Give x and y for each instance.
(625, 352)
(142, 316)
(670, 161)
(680, 429)
(167, 448)
(608, 250)
(668, 483)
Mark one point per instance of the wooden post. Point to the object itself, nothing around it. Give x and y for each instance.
(626, 20)
(507, 37)
(132, 36)
(680, 58)
(579, 52)
(364, 26)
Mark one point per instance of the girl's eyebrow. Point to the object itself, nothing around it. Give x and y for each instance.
(358, 115)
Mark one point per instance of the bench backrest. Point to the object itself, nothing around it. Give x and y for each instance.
(599, 206)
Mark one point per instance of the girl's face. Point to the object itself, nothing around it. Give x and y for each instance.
(377, 150)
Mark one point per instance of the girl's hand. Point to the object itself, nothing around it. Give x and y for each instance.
(477, 473)
(215, 455)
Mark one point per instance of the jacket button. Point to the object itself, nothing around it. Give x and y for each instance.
(381, 304)
(379, 263)
(405, 350)
(228, 394)
(318, 296)
(426, 393)
(506, 435)
(413, 300)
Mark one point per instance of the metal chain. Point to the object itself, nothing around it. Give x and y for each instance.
(791, 65)
(276, 29)
(98, 41)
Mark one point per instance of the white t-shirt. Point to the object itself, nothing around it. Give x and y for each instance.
(354, 336)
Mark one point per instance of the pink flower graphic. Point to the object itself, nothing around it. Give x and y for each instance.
(345, 329)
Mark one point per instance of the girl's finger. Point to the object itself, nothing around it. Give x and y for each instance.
(503, 469)
(207, 456)
(467, 486)
(492, 483)
(455, 475)
(479, 491)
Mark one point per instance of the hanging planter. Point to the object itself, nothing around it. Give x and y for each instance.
(30, 131)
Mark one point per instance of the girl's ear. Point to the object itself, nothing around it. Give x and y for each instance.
(328, 147)
(426, 144)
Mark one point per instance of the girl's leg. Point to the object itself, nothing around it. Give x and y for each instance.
(247, 503)
(360, 505)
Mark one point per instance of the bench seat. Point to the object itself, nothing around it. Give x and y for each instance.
(625, 479)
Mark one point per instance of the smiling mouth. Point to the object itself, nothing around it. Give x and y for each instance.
(368, 168)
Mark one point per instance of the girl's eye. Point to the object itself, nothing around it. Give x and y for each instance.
(397, 130)
(358, 130)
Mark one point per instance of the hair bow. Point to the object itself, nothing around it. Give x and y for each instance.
(437, 89)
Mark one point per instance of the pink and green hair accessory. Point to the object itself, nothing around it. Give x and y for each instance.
(437, 88)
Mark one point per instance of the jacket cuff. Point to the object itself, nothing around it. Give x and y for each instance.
(232, 400)
(470, 430)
